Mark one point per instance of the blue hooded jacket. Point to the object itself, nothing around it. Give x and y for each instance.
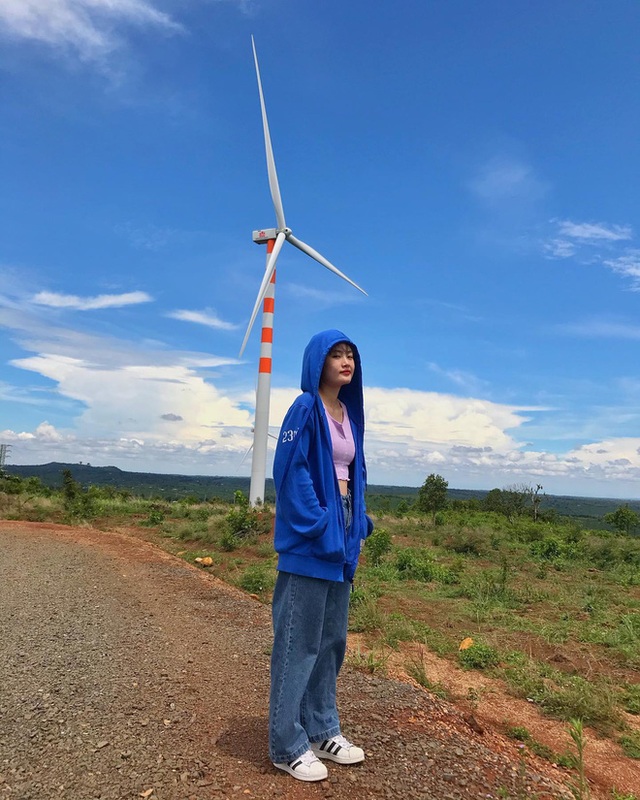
(310, 536)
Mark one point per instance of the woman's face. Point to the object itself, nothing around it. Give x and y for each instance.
(339, 366)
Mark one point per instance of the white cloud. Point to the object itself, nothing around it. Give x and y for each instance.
(594, 231)
(627, 265)
(323, 298)
(602, 329)
(142, 406)
(409, 433)
(131, 399)
(505, 179)
(207, 317)
(559, 248)
(56, 300)
(155, 238)
(596, 243)
(85, 26)
(406, 415)
(465, 380)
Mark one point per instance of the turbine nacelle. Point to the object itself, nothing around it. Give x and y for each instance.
(266, 234)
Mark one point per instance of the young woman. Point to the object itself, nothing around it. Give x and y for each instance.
(319, 474)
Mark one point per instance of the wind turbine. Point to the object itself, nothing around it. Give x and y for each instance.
(274, 238)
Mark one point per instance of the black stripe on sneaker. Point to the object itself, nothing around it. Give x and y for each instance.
(293, 765)
(334, 748)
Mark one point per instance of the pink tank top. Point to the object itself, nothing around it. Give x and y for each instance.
(344, 448)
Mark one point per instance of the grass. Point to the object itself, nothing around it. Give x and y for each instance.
(554, 610)
(416, 668)
(522, 734)
(630, 743)
(371, 661)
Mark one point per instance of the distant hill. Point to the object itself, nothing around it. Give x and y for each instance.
(144, 484)
(588, 511)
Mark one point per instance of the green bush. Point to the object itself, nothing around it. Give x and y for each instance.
(519, 733)
(419, 565)
(78, 503)
(467, 541)
(257, 579)
(243, 521)
(377, 545)
(156, 517)
(228, 541)
(549, 549)
(478, 656)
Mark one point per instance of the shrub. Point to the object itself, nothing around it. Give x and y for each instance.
(228, 541)
(478, 656)
(257, 579)
(549, 549)
(519, 733)
(377, 545)
(414, 564)
(467, 541)
(156, 517)
(243, 521)
(78, 504)
(419, 565)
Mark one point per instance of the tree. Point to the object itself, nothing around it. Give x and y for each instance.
(493, 502)
(432, 495)
(513, 500)
(536, 499)
(623, 519)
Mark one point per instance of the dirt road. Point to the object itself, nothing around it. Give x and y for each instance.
(125, 673)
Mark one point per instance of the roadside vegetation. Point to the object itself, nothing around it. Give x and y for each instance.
(544, 605)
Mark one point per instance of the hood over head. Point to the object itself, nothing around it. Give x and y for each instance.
(313, 360)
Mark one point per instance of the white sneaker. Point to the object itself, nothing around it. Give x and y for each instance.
(305, 768)
(338, 749)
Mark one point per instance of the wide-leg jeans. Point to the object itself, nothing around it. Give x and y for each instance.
(310, 617)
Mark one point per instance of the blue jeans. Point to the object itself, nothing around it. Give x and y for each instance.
(310, 634)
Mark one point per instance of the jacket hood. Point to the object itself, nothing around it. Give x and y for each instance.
(313, 362)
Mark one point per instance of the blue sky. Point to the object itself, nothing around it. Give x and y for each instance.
(474, 166)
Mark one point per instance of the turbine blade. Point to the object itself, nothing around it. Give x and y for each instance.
(321, 260)
(244, 457)
(271, 265)
(271, 164)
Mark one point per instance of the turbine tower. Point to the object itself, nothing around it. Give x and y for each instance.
(274, 238)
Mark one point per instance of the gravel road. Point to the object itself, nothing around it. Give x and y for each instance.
(126, 673)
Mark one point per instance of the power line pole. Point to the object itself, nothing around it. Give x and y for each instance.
(4, 452)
